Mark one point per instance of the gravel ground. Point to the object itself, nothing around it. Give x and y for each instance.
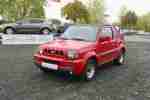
(21, 80)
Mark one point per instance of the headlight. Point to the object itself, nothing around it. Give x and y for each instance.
(72, 54)
(39, 50)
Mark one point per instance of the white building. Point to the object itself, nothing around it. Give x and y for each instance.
(53, 8)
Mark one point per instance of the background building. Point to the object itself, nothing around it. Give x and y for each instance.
(53, 8)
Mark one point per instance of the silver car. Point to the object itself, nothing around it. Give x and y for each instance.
(32, 26)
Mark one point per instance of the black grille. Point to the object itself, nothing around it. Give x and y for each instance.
(53, 52)
(50, 61)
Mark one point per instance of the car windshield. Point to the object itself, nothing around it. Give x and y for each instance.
(81, 33)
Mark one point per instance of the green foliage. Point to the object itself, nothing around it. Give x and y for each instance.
(123, 11)
(129, 20)
(96, 9)
(93, 13)
(18, 9)
(144, 22)
(76, 12)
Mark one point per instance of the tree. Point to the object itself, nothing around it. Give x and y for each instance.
(96, 10)
(76, 12)
(123, 11)
(18, 9)
(129, 20)
(144, 22)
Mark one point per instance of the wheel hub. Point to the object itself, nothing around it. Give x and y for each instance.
(9, 31)
(45, 31)
(90, 72)
(121, 59)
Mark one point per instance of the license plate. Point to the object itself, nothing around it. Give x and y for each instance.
(50, 66)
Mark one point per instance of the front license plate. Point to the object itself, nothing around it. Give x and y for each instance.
(50, 66)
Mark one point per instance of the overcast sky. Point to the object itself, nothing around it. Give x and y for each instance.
(139, 6)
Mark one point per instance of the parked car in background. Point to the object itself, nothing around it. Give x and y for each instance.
(63, 27)
(80, 49)
(34, 25)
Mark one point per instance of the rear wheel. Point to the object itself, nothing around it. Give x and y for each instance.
(9, 31)
(121, 59)
(90, 71)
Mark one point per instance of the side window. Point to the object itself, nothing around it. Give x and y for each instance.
(22, 22)
(57, 22)
(107, 31)
(36, 21)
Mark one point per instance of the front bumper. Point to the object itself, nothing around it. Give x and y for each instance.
(76, 67)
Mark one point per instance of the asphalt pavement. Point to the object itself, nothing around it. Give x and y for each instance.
(21, 80)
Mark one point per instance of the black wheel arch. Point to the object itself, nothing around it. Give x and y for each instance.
(123, 49)
(45, 28)
(93, 58)
(9, 27)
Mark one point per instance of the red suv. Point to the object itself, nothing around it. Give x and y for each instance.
(82, 48)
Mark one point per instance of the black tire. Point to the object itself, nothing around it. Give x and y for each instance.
(90, 70)
(45, 70)
(120, 60)
(9, 30)
(45, 31)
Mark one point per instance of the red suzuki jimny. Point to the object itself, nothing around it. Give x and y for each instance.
(82, 48)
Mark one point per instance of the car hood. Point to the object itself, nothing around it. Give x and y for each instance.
(67, 44)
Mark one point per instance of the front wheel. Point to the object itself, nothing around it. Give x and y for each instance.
(90, 71)
(45, 31)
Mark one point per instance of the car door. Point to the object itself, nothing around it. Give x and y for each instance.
(105, 45)
(117, 39)
(35, 25)
(22, 26)
(29, 26)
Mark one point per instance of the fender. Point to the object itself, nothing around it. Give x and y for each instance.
(123, 46)
(90, 55)
(86, 57)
